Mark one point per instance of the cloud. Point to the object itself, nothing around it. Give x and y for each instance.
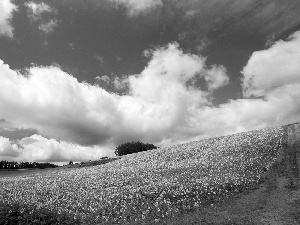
(49, 26)
(54, 103)
(100, 59)
(216, 77)
(133, 8)
(166, 74)
(6, 9)
(162, 107)
(7, 149)
(58, 106)
(136, 7)
(113, 82)
(103, 79)
(36, 12)
(246, 18)
(15, 133)
(276, 66)
(39, 149)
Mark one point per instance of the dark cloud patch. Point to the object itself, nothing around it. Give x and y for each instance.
(2, 121)
(16, 133)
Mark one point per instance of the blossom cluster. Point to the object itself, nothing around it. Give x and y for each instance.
(154, 184)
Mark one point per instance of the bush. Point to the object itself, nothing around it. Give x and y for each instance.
(133, 147)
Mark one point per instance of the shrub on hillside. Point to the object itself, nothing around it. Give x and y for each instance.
(133, 147)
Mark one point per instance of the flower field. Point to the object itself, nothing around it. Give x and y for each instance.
(154, 184)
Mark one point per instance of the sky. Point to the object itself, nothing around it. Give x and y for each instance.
(80, 77)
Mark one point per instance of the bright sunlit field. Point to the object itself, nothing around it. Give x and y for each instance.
(151, 185)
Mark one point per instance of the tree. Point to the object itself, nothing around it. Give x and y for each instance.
(133, 147)
(70, 163)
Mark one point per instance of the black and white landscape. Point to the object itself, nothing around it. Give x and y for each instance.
(80, 78)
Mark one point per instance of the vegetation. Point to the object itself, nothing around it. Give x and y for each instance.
(101, 161)
(25, 165)
(23, 215)
(153, 185)
(133, 147)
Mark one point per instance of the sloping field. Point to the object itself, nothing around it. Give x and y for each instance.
(159, 184)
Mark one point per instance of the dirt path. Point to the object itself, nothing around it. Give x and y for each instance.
(283, 202)
(275, 202)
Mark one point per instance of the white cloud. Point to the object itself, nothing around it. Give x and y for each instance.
(103, 79)
(121, 83)
(276, 66)
(161, 107)
(7, 149)
(166, 74)
(39, 149)
(58, 106)
(35, 10)
(113, 82)
(216, 77)
(136, 7)
(6, 9)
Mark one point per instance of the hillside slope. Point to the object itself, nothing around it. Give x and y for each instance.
(276, 201)
(218, 180)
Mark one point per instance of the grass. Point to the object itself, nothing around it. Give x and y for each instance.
(155, 186)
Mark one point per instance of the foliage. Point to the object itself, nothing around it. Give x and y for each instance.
(101, 161)
(133, 147)
(23, 215)
(24, 165)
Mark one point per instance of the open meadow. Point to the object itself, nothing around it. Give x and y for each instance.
(149, 187)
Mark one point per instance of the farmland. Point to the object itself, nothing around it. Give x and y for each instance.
(154, 185)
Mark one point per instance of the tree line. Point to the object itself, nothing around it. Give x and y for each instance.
(25, 165)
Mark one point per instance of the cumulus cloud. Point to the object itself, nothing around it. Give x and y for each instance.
(162, 107)
(6, 9)
(55, 103)
(276, 66)
(58, 106)
(39, 149)
(7, 149)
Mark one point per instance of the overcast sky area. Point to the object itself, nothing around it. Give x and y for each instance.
(80, 77)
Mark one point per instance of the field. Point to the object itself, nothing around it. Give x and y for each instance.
(154, 186)
(22, 172)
